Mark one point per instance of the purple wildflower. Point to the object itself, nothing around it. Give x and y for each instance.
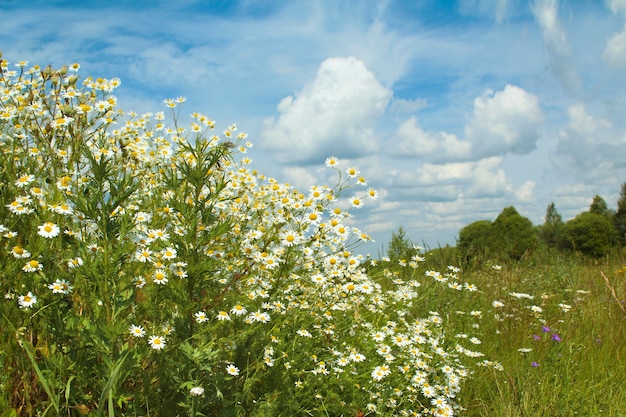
(535, 364)
(556, 337)
(536, 337)
(545, 329)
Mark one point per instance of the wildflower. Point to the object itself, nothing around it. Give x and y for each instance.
(27, 301)
(20, 252)
(222, 315)
(60, 286)
(332, 162)
(32, 266)
(168, 253)
(144, 255)
(137, 331)
(73, 263)
(497, 304)
(201, 317)
(238, 310)
(545, 329)
(304, 333)
(156, 342)
(196, 391)
(356, 202)
(160, 277)
(24, 180)
(232, 370)
(48, 230)
(380, 372)
(535, 364)
(556, 337)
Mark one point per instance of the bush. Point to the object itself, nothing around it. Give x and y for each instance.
(590, 233)
(148, 269)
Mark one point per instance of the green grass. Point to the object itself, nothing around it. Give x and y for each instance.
(583, 373)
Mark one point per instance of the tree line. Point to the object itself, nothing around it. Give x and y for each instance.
(595, 232)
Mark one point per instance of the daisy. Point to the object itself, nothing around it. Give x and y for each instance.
(20, 252)
(352, 172)
(156, 342)
(238, 310)
(60, 286)
(159, 277)
(137, 331)
(222, 315)
(232, 370)
(24, 180)
(27, 301)
(32, 266)
(201, 317)
(48, 230)
(73, 263)
(331, 162)
(168, 253)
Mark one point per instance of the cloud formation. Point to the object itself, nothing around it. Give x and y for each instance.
(556, 44)
(334, 114)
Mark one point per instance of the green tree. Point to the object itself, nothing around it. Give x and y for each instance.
(619, 220)
(550, 231)
(474, 240)
(590, 233)
(513, 234)
(400, 247)
(599, 206)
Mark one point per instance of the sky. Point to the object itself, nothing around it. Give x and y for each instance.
(452, 110)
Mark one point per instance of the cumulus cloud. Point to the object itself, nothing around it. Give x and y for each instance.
(557, 45)
(508, 121)
(585, 144)
(335, 114)
(413, 141)
(615, 50)
(475, 179)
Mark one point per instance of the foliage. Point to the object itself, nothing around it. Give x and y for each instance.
(510, 236)
(400, 247)
(599, 206)
(148, 270)
(514, 235)
(590, 233)
(550, 231)
(619, 219)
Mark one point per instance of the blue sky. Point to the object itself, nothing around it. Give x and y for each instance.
(453, 110)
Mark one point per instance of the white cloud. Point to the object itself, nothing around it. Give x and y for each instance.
(335, 114)
(525, 192)
(615, 51)
(412, 141)
(557, 45)
(507, 121)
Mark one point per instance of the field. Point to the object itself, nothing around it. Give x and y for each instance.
(148, 270)
(565, 358)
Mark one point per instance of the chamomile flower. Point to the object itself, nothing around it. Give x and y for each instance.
(137, 331)
(48, 230)
(20, 252)
(201, 317)
(157, 342)
(60, 286)
(24, 180)
(222, 315)
(32, 266)
(27, 301)
(160, 277)
(238, 310)
(232, 370)
(332, 162)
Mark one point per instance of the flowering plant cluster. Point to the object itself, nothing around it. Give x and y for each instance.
(147, 269)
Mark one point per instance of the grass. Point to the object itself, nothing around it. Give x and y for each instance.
(579, 373)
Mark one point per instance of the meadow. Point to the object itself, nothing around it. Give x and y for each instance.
(556, 323)
(147, 269)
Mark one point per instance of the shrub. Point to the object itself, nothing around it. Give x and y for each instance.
(148, 269)
(590, 233)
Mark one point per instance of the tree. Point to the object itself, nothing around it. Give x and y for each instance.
(590, 233)
(400, 247)
(514, 234)
(619, 220)
(474, 239)
(550, 231)
(598, 206)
